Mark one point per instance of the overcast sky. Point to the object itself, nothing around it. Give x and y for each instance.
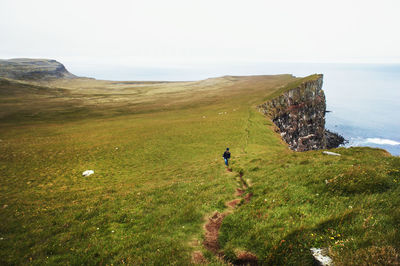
(151, 32)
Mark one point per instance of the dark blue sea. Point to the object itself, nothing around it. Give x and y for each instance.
(364, 99)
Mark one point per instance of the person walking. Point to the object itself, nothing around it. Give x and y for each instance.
(226, 156)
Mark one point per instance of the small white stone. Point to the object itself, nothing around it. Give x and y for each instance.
(88, 173)
(331, 153)
(320, 256)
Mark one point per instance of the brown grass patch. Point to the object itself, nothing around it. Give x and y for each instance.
(198, 258)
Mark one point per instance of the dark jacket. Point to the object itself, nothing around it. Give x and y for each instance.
(227, 155)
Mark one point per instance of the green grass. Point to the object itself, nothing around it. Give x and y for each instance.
(303, 200)
(152, 191)
(159, 173)
(291, 85)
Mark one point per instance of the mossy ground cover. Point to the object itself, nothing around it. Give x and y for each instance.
(158, 174)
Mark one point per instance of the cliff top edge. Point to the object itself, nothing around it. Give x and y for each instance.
(293, 85)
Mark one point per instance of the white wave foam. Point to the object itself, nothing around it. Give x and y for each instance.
(380, 141)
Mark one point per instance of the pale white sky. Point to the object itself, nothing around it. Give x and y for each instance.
(160, 32)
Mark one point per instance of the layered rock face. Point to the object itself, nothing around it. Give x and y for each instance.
(299, 113)
(33, 69)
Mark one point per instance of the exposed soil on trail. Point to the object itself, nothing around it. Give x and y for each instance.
(239, 192)
(233, 203)
(212, 228)
(198, 258)
(246, 258)
(214, 223)
(247, 198)
(244, 184)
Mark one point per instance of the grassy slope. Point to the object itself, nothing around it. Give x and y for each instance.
(146, 201)
(152, 191)
(356, 215)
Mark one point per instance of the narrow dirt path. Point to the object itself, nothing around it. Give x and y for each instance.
(214, 221)
(213, 224)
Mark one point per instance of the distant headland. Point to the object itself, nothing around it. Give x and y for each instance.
(33, 69)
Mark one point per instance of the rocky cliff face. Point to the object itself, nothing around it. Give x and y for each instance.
(299, 113)
(33, 69)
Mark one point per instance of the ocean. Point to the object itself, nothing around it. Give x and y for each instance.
(363, 99)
